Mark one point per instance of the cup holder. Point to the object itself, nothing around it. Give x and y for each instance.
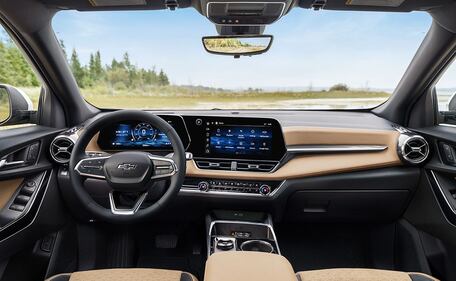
(257, 246)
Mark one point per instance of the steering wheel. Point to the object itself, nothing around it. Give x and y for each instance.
(127, 172)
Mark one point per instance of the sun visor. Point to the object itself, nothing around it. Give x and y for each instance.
(375, 3)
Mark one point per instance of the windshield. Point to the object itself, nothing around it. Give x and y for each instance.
(318, 60)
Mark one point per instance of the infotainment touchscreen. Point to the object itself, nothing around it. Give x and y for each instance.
(239, 140)
(235, 138)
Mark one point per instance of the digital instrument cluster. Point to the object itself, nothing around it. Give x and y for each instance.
(138, 135)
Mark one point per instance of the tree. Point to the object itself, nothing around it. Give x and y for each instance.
(98, 68)
(14, 69)
(162, 79)
(126, 61)
(92, 73)
(77, 69)
(339, 87)
(119, 75)
(62, 45)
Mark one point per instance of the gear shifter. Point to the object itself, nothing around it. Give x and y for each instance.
(225, 244)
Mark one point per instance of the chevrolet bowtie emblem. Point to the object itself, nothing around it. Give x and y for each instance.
(127, 166)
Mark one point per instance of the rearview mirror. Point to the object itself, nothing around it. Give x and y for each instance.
(246, 45)
(15, 106)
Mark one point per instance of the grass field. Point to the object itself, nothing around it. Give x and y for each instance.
(173, 97)
(184, 98)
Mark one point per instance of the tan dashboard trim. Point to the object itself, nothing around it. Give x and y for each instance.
(346, 136)
(7, 189)
(93, 144)
(320, 164)
(317, 164)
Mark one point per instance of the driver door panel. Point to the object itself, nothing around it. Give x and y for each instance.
(30, 204)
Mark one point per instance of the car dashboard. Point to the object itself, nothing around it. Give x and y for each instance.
(246, 156)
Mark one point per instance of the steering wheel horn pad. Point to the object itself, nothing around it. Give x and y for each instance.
(129, 171)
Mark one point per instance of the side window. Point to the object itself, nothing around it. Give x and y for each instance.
(446, 95)
(20, 88)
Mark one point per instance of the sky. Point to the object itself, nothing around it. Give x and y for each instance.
(311, 49)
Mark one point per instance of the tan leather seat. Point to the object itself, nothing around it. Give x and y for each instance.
(360, 274)
(125, 274)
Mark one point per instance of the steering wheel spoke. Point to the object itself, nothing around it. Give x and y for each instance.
(126, 211)
(92, 167)
(164, 167)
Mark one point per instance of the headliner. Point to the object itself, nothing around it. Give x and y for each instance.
(406, 6)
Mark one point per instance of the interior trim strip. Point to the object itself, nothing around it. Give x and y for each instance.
(126, 212)
(447, 125)
(441, 192)
(330, 148)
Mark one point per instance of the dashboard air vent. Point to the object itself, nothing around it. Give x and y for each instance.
(214, 164)
(413, 149)
(61, 148)
(248, 166)
(256, 166)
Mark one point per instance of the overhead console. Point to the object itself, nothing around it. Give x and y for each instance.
(245, 13)
(236, 144)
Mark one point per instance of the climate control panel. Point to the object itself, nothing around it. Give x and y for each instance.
(260, 188)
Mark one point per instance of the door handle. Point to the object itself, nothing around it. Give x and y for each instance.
(4, 163)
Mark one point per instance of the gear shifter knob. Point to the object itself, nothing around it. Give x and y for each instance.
(225, 244)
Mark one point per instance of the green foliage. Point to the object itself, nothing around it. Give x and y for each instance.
(14, 69)
(162, 79)
(339, 87)
(77, 69)
(225, 43)
(4, 105)
(119, 75)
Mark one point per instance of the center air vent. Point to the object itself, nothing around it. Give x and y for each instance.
(248, 166)
(61, 148)
(413, 149)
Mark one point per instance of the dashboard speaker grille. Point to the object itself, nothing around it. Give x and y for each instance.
(61, 148)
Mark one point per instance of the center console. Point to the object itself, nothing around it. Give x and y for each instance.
(248, 266)
(231, 231)
(242, 246)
